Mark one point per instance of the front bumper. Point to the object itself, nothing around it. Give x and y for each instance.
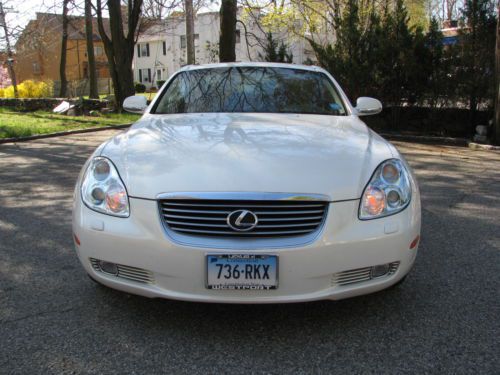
(306, 273)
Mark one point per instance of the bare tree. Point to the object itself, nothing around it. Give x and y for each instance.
(159, 9)
(497, 87)
(227, 41)
(188, 11)
(64, 48)
(119, 45)
(89, 36)
(10, 58)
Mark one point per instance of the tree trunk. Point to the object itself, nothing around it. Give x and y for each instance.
(64, 48)
(10, 56)
(89, 35)
(497, 80)
(119, 47)
(227, 40)
(188, 9)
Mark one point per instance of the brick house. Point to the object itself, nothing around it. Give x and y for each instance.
(38, 50)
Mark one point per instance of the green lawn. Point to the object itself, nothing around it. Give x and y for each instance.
(22, 124)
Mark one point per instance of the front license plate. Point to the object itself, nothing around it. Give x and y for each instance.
(242, 271)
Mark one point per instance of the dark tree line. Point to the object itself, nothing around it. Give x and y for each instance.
(406, 65)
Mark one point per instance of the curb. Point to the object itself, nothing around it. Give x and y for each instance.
(61, 134)
(426, 139)
(481, 147)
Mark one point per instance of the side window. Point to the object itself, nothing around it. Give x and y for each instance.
(174, 100)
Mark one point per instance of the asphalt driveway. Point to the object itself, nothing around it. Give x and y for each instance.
(53, 319)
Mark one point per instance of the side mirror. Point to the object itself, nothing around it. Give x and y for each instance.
(135, 104)
(368, 106)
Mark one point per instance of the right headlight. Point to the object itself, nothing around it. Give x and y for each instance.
(388, 192)
(103, 190)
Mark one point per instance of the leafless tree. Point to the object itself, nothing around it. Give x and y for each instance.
(497, 74)
(64, 48)
(189, 15)
(89, 36)
(159, 9)
(119, 44)
(227, 41)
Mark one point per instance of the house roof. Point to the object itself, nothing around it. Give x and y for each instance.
(51, 24)
(76, 25)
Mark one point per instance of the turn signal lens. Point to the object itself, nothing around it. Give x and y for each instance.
(374, 201)
(388, 192)
(116, 199)
(102, 189)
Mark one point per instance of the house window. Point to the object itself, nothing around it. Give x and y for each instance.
(164, 48)
(238, 36)
(143, 50)
(145, 75)
(36, 68)
(98, 51)
(184, 43)
(158, 74)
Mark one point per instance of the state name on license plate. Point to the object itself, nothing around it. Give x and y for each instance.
(242, 271)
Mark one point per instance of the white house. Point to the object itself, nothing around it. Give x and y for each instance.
(161, 49)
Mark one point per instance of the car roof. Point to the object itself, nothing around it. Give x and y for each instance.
(253, 65)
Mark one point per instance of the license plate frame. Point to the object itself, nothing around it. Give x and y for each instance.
(242, 259)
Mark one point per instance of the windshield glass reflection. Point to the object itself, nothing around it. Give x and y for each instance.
(251, 89)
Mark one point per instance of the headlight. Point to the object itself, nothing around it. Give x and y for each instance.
(103, 190)
(388, 192)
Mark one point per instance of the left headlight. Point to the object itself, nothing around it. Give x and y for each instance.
(388, 192)
(102, 189)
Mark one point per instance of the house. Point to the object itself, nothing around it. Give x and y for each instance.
(38, 50)
(161, 49)
(451, 32)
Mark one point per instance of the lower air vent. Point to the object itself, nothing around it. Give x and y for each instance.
(125, 272)
(362, 274)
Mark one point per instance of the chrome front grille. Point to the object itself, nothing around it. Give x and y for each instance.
(276, 218)
(359, 275)
(127, 272)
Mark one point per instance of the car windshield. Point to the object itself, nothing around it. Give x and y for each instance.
(251, 89)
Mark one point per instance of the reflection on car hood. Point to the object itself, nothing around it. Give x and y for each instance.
(241, 152)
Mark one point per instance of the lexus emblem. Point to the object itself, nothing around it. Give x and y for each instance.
(242, 220)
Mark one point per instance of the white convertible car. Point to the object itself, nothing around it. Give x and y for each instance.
(248, 183)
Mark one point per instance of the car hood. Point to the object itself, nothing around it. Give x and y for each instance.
(247, 152)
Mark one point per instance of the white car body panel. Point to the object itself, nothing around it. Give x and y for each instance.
(247, 151)
(239, 153)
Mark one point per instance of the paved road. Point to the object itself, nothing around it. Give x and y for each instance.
(444, 319)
